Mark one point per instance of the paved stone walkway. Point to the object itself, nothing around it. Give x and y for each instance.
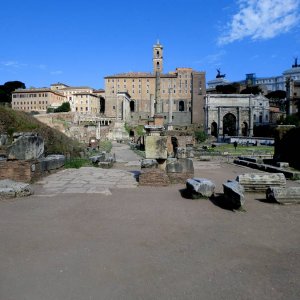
(87, 180)
(125, 155)
(91, 180)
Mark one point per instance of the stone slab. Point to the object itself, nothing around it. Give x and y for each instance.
(156, 147)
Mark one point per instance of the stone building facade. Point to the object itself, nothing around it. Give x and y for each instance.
(37, 100)
(293, 96)
(235, 114)
(83, 100)
(178, 96)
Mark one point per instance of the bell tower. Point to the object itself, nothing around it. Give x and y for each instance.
(157, 58)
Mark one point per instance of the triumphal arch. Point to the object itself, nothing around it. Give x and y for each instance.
(235, 114)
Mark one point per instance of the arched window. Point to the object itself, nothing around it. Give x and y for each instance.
(157, 54)
(157, 65)
(181, 106)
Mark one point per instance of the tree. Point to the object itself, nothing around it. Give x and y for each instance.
(290, 120)
(7, 88)
(228, 88)
(254, 90)
(276, 95)
(65, 107)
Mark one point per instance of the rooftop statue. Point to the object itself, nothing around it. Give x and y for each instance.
(296, 65)
(219, 75)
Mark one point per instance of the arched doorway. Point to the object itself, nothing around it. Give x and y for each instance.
(245, 129)
(132, 106)
(229, 125)
(131, 133)
(102, 105)
(181, 106)
(214, 129)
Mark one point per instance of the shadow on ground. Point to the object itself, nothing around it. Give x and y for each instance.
(217, 199)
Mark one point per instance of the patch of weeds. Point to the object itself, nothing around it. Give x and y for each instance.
(77, 163)
(105, 146)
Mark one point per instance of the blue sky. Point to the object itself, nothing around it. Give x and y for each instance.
(81, 42)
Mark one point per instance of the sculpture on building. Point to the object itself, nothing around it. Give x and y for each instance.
(219, 75)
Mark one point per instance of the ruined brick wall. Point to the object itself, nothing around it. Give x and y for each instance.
(23, 170)
(18, 170)
(153, 177)
(179, 177)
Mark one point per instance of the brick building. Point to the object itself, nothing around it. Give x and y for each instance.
(178, 96)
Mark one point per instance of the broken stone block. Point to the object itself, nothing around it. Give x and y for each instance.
(281, 195)
(259, 182)
(281, 164)
(181, 152)
(3, 139)
(26, 147)
(200, 188)
(180, 170)
(234, 194)
(52, 162)
(190, 152)
(149, 163)
(12, 189)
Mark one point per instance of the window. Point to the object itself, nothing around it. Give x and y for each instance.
(181, 106)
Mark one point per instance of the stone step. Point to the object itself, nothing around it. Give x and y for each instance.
(259, 182)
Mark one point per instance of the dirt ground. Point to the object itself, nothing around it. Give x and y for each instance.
(149, 243)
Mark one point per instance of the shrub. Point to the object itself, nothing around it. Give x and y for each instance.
(200, 136)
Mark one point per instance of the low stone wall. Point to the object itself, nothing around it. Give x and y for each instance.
(16, 170)
(153, 177)
(30, 170)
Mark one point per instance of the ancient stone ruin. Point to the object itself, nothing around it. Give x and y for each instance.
(161, 166)
(23, 159)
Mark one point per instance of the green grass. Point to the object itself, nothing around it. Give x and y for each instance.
(243, 150)
(76, 163)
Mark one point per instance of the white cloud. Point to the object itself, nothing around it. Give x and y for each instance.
(56, 72)
(261, 19)
(212, 59)
(12, 64)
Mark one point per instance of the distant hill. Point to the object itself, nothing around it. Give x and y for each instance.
(55, 142)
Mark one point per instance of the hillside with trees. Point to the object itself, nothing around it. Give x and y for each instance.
(12, 121)
(7, 88)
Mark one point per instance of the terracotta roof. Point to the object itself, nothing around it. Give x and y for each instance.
(139, 75)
